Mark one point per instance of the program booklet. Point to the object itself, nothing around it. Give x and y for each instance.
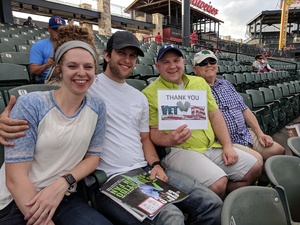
(140, 196)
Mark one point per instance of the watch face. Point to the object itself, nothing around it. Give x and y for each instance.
(70, 179)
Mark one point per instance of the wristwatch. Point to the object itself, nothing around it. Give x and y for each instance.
(70, 179)
(156, 163)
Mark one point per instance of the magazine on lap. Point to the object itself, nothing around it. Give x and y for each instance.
(140, 196)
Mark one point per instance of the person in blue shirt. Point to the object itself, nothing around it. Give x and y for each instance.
(41, 52)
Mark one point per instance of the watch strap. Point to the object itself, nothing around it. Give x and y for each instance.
(156, 163)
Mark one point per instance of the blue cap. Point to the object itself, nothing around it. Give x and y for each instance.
(166, 48)
(56, 21)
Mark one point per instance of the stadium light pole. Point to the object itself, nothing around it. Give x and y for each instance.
(285, 5)
(185, 23)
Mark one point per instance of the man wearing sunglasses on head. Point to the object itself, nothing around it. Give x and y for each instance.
(217, 165)
(243, 126)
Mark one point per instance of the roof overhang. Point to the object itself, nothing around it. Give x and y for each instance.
(47, 8)
(162, 7)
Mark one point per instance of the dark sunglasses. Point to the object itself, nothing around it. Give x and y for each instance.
(211, 61)
(260, 58)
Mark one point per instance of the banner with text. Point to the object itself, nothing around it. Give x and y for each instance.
(178, 107)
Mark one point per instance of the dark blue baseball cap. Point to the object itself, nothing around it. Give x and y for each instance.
(56, 21)
(166, 48)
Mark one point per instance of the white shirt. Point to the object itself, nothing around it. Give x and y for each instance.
(127, 117)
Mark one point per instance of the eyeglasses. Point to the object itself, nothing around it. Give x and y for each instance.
(211, 61)
(260, 58)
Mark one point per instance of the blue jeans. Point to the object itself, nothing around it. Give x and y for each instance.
(71, 210)
(202, 205)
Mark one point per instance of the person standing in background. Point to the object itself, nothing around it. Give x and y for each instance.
(193, 38)
(158, 37)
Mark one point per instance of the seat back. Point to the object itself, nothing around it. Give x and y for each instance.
(294, 145)
(5, 47)
(24, 89)
(284, 170)
(230, 77)
(189, 69)
(257, 97)
(12, 75)
(13, 41)
(138, 84)
(23, 48)
(20, 58)
(145, 61)
(2, 107)
(2, 103)
(143, 71)
(253, 205)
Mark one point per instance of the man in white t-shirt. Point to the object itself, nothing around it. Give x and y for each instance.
(127, 144)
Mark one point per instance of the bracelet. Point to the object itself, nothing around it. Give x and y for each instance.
(156, 163)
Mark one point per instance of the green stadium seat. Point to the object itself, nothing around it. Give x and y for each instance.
(189, 69)
(12, 75)
(2, 104)
(258, 112)
(293, 98)
(23, 48)
(151, 80)
(278, 112)
(142, 72)
(3, 33)
(138, 84)
(2, 107)
(254, 205)
(240, 82)
(294, 145)
(258, 102)
(13, 41)
(146, 61)
(285, 102)
(5, 47)
(24, 89)
(284, 170)
(20, 58)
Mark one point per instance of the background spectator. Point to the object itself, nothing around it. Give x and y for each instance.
(193, 38)
(29, 22)
(42, 51)
(158, 37)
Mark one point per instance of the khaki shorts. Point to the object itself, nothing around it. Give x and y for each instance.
(208, 167)
(256, 145)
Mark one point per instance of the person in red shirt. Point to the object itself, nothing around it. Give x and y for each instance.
(193, 38)
(158, 37)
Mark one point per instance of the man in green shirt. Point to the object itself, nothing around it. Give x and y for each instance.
(219, 166)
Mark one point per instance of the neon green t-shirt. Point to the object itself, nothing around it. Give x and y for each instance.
(200, 140)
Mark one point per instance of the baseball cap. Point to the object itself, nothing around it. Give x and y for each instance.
(56, 21)
(166, 48)
(202, 55)
(123, 39)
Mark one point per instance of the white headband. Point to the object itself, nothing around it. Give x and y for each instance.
(74, 44)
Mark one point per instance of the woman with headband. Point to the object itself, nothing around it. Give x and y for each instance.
(62, 145)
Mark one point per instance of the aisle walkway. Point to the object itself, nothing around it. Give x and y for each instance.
(282, 136)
